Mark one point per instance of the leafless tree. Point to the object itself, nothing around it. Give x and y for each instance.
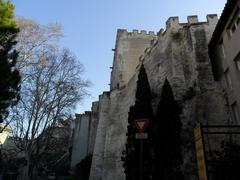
(35, 40)
(49, 94)
(52, 85)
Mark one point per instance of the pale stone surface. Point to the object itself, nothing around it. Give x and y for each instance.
(99, 147)
(80, 138)
(84, 134)
(129, 47)
(93, 127)
(225, 54)
(180, 53)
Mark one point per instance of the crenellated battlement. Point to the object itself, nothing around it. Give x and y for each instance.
(212, 19)
(136, 32)
(130, 45)
(179, 52)
(86, 113)
(192, 19)
(173, 22)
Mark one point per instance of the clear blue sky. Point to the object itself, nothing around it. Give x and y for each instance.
(90, 27)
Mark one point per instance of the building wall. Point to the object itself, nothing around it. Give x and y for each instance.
(93, 126)
(179, 53)
(99, 146)
(225, 53)
(5, 133)
(80, 138)
(129, 46)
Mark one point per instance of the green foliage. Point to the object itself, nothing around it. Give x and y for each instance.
(167, 140)
(141, 109)
(7, 15)
(9, 75)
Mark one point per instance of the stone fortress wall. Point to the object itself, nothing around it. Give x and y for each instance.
(129, 46)
(179, 53)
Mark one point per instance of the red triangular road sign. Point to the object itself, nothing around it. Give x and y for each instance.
(141, 124)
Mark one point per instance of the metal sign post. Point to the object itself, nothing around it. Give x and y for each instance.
(141, 125)
(141, 159)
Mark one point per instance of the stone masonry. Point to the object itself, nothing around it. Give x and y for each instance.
(84, 134)
(179, 53)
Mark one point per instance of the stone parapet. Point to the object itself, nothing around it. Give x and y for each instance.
(121, 32)
(178, 53)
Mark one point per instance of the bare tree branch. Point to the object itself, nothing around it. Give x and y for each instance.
(51, 86)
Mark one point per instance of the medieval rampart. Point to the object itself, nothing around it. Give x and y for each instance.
(179, 53)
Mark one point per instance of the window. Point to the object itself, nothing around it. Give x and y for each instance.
(222, 48)
(234, 23)
(237, 62)
(228, 79)
(235, 111)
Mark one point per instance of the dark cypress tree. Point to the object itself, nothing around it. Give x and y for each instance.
(167, 140)
(141, 109)
(9, 75)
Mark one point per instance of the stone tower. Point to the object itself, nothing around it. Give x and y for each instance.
(129, 47)
(178, 53)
